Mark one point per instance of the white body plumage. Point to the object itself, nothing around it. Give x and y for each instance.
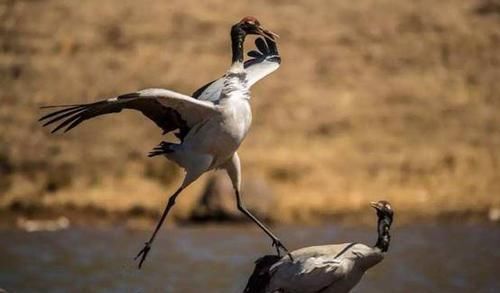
(219, 136)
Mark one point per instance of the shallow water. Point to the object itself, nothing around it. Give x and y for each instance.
(423, 258)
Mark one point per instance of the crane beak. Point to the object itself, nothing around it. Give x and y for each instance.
(375, 205)
(267, 34)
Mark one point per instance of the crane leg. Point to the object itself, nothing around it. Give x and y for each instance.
(233, 168)
(147, 245)
(276, 242)
(196, 165)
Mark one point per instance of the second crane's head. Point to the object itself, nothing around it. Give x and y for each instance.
(384, 210)
(249, 25)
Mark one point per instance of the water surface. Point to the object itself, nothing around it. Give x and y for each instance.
(422, 258)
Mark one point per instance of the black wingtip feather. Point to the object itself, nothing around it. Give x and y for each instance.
(66, 122)
(261, 45)
(59, 112)
(260, 277)
(254, 54)
(60, 106)
(75, 123)
(161, 149)
(63, 115)
(154, 154)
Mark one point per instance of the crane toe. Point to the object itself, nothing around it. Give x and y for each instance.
(143, 253)
(278, 245)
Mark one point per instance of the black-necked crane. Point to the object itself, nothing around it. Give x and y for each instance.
(327, 268)
(211, 125)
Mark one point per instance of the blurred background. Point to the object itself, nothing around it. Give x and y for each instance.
(374, 99)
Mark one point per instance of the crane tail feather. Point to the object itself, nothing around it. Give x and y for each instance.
(261, 276)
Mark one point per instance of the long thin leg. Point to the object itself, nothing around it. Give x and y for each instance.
(276, 242)
(147, 245)
(233, 168)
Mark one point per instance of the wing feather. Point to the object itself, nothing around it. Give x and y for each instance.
(263, 62)
(169, 110)
(314, 268)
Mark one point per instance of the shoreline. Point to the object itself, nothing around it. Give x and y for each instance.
(140, 218)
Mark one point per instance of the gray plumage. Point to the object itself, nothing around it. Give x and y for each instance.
(327, 268)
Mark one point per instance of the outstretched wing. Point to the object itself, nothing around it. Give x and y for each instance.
(263, 62)
(167, 109)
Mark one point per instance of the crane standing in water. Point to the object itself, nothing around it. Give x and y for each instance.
(327, 268)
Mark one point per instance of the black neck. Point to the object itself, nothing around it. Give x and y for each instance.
(384, 238)
(237, 39)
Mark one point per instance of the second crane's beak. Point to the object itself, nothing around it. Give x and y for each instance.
(375, 205)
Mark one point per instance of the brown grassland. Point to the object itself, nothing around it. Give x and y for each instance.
(374, 99)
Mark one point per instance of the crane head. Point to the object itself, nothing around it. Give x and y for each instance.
(252, 26)
(383, 207)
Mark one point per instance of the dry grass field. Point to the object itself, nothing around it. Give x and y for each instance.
(374, 99)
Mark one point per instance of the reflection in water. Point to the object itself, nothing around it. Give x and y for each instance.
(427, 258)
